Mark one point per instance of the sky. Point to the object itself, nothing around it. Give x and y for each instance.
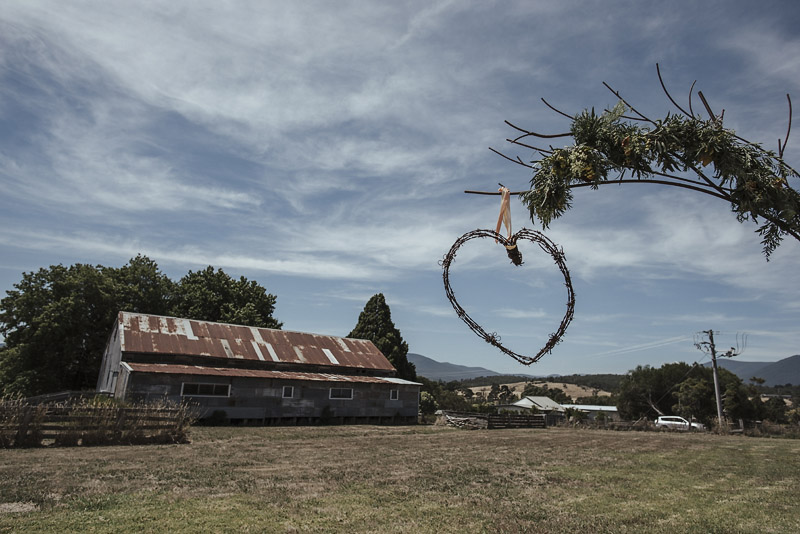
(323, 149)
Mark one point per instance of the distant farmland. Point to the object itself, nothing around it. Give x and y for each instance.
(408, 479)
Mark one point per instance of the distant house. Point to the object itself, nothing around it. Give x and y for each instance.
(541, 404)
(593, 410)
(254, 374)
(554, 412)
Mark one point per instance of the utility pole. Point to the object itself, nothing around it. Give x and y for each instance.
(713, 350)
(709, 348)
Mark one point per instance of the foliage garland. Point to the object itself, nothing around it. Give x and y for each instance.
(609, 145)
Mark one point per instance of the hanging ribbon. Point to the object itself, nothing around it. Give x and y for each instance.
(505, 219)
(505, 211)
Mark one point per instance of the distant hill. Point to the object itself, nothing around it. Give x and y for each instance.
(785, 371)
(433, 370)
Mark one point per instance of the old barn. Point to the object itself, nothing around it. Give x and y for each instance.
(257, 375)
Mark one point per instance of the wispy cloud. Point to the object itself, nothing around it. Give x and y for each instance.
(330, 143)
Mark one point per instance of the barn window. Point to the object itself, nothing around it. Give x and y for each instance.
(341, 393)
(205, 390)
(394, 394)
(288, 392)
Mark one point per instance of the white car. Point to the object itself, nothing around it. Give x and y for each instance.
(676, 423)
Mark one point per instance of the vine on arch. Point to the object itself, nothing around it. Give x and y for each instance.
(685, 149)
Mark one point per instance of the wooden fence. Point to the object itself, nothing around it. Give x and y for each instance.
(86, 423)
(517, 421)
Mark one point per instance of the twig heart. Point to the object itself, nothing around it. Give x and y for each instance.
(546, 245)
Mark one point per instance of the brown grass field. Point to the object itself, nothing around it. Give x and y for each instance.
(418, 479)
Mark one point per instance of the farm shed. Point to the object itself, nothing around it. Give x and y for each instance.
(554, 412)
(542, 404)
(593, 410)
(253, 374)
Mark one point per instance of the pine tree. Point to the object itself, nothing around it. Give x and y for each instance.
(375, 324)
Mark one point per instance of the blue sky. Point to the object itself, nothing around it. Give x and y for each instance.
(322, 149)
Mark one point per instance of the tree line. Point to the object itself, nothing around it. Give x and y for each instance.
(644, 392)
(688, 391)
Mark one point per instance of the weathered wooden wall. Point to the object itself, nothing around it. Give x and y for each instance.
(257, 400)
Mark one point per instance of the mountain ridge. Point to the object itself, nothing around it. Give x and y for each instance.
(785, 371)
(436, 370)
(778, 373)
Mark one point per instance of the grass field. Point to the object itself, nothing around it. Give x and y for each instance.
(408, 479)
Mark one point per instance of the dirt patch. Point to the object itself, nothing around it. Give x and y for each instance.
(17, 507)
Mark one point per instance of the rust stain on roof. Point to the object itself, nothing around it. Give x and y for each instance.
(170, 335)
(258, 373)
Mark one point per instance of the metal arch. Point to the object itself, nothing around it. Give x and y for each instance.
(492, 338)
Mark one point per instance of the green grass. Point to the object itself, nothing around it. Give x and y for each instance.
(408, 479)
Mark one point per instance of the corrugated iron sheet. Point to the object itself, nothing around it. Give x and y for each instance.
(169, 335)
(176, 369)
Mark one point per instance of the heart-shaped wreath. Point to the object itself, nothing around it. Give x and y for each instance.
(510, 245)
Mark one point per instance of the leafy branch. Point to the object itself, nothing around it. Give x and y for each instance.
(686, 150)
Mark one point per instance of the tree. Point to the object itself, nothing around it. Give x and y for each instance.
(775, 410)
(212, 295)
(692, 399)
(56, 320)
(141, 287)
(427, 403)
(375, 324)
(753, 180)
(648, 392)
(55, 323)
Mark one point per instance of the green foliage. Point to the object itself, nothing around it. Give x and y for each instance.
(688, 391)
(55, 324)
(692, 398)
(56, 320)
(375, 324)
(212, 295)
(427, 403)
(596, 400)
(737, 404)
(489, 380)
(606, 382)
(607, 146)
(574, 414)
(444, 395)
(775, 410)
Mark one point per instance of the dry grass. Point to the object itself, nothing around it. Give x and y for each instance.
(408, 479)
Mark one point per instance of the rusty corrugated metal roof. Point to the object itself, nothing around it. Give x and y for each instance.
(258, 373)
(171, 335)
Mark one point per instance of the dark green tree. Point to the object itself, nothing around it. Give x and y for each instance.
(427, 403)
(775, 410)
(647, 391)
(692, 397)
(212, 295)
(141, 287)
(56, 320)
(375, 324)
(55, 323)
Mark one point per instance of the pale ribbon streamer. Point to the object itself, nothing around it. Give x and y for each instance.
(505, 211)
